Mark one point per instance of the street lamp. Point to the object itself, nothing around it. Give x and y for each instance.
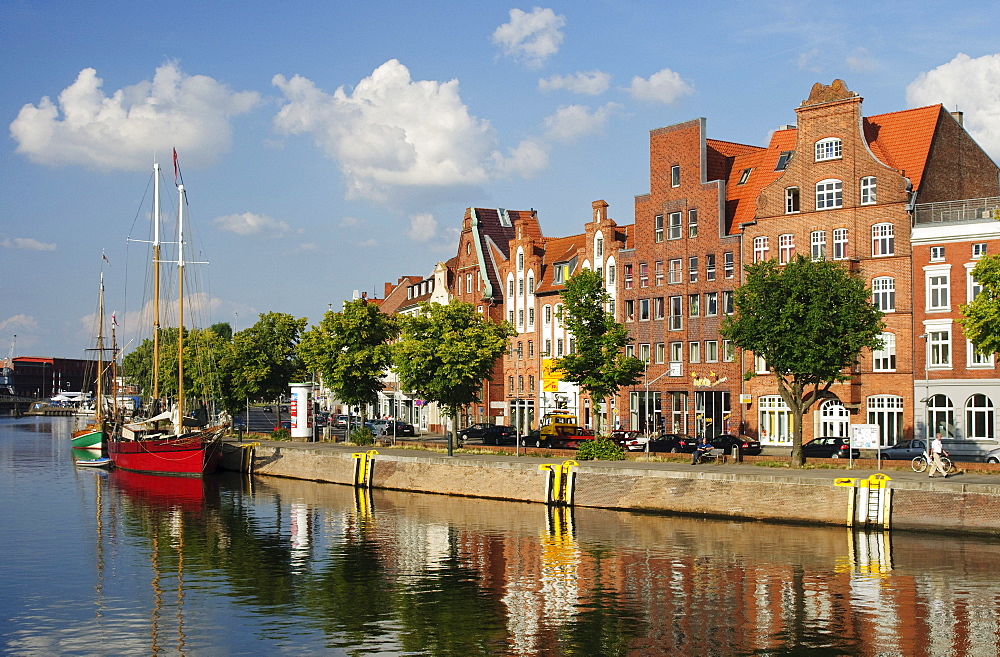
(927, 386)
(647, 382)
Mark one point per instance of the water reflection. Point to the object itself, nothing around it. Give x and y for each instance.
(231, 565)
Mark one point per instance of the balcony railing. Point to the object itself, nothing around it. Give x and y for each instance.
(976, 209)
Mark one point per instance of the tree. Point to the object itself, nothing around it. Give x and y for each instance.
(350, 349)
(809, 320)
(598, 364)
(263, 359)
(445, 352)
(982, 316)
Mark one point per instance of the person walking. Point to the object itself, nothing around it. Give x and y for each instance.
(937, 449)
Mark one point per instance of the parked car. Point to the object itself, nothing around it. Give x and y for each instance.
(992, 456)
(830, 448)
(532, 439)
(285, 424)
(905, 450)
(386, 427)
(489, 434)
(268, 409)
(668, 442)
(725, 442)
(626, 439)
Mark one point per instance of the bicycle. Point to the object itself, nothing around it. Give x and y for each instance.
(919, 463)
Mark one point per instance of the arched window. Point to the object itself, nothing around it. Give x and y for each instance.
(835, 420)
(979, 417)
(884, 293)
(828, 149)
(887, 412)
(829, 194)
(940, 416)
(775, 420)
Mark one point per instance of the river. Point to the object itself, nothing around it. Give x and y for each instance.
(108, 563)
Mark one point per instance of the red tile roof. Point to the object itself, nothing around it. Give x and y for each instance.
(903, 139)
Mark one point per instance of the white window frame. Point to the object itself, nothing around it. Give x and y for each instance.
(760, 248)
(884, 293)
(868, 190)
(883, 240)
(709, 266)
(939, 352)
(840, 241)
(658, 228)
(830, 148)
(711, 304)
(937, 254)
(786, 248)
(829, 194)
(884, 359)
(979, 249)
(692, 269)
(793, 200)
(675, 314)
(694, 352)
(728, 265)
(711, 351)
(817, 244)
(974, 359)
(674, 226)
(986, 419)
(693, 222)
(887, 412)
(674, 271)
(675, 175)
(937, 281)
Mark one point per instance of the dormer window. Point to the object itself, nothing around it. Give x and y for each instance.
(744, 176)
(828, 149)
(783, 160)
(558, 272)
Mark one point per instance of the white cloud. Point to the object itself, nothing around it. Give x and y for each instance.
(19, 322)
(249, 223)
(26, 244)
(349, 222)
(969, 85)
(124, 130)
(806, 61)
(423, 227)
(862, 61)
(571, 122)
(528, 158)
(391, 131)
(592, 83)
(368, 243)
(530, 37)
(666, 87)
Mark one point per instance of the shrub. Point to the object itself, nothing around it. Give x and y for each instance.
(363, 436)
(600, 449)
(281, 434)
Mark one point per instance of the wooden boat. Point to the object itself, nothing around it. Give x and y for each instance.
(93, 435)
(100, 462)
(168, 443)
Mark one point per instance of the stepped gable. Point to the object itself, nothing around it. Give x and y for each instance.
(902, 140)
(559, 249)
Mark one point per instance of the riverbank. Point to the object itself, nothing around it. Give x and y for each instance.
(862, 496)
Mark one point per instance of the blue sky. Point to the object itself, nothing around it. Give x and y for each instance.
(330, 147)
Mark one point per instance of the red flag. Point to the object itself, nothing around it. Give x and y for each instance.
(175, 166)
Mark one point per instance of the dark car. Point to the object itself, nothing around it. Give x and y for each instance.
(489, 434)
(531, 439)
(904, 450)
(390, 428)
(830, 448)
(669, 442)
(725, 442)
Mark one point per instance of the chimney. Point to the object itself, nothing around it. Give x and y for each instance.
(959, 116)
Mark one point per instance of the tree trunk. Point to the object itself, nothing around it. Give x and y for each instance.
(798, 460)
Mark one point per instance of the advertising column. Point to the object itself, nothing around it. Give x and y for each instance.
(299, 409)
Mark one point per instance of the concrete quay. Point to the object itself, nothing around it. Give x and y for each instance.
(967, 502)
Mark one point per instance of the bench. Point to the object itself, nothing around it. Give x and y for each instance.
(714, 456)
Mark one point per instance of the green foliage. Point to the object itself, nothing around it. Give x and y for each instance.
(809, 320)
(281, 434)
(600, 449)
(446, 351)
(362, 436)
(263, 360)
(981, 323)
(351, 351)
(598, 364)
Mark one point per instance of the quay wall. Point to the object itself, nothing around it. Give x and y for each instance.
(740, 492)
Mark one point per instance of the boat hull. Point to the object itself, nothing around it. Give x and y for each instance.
(88, 439)
(190, 455)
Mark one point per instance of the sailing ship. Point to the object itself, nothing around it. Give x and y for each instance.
(92, 436)
(168, 442)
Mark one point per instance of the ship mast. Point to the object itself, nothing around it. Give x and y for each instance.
(156, 281)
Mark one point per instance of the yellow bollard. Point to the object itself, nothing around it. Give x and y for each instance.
(560, 482)
(363, 465)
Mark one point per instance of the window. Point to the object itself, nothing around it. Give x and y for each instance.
(783, 160)
(559, 347)
(548, 314)
(510, 316)
(659, 272)
(774, 420)
(974, 287)
(675, 176)
(558, 270)
(937, 254)
(531, 383)
(884, 293)
(531, 348)
(887, 412)
(728, 264)
(709, 266)
(791, 200)
(883, 240)
(694, 305)
(520, 287)
(510, 288)
(760, 249)
(676, 355)
(660, 352)
(979, 417)
(630, 350)
(978, 249)
(884, 359)
(867, 190)
(510, 382)
(674, 226)
(643, 274)
(611, 274)
(644, 353)
(468, 283)
(694, 352)
(643, 310)
(520, 350)
(829, 194)
(828, 149)
(711, 351)
(520, 317)
(548, 347)
(937, 292)
(531, 284)
(976, 358)
(839, 243)
(744, 176)
(786, 248)
(711, 304)
(674, 271)
(693, 269)
(939, 345)
(658, 311)
(940, 415)
(520, 261)
(727, 302)
(692, 223)
(559, 318)
(817, 244)
(531, 316)
(628, 277)
(676, 320)
(658, 228)
(599, 247)
(728, 351)
(629, 310)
